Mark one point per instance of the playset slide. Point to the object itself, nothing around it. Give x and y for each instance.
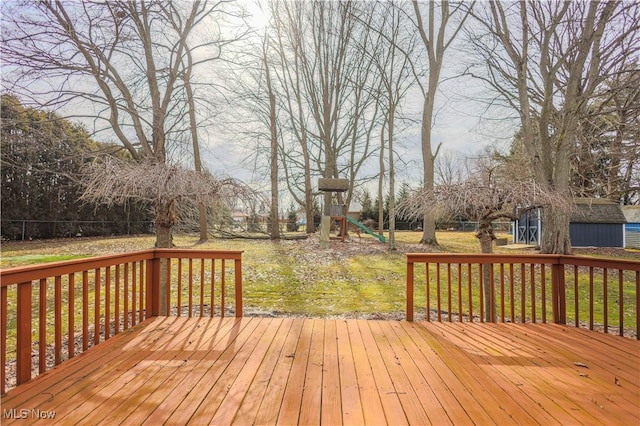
(366, 229)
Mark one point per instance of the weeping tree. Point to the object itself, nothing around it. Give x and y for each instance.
(168, 188)
(123, 65)
(164, 186)
(485, 196)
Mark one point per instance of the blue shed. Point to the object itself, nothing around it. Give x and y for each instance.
(632, 227)
(594, 222)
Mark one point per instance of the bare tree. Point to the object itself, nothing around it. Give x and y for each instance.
(437, 34)
(394, 47)
(324, 75)
(546, 60)
(254, 119)
(296, 158)
(120, 63)
(273, 147)
(606, 161)
(193, 127)
(449, 168)
(485, 195)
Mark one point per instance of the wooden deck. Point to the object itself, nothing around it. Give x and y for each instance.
(245, 371)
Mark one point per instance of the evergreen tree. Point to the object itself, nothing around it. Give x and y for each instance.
(367, 211)
(42, 158)
(292, 219)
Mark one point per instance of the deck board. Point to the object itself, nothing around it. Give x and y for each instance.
(311, 402)
(394, 413)
(499, 392)
(369, 396)
(292, 397)
(331, 410)
(272, 402)
(351, 404)
(441, 384)
(335, 371)
(256, 393)
(522, 373)
(155, 390)
(397, 367)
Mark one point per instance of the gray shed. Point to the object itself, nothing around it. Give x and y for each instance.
(597, 223)
(632, 227)
(594, 222)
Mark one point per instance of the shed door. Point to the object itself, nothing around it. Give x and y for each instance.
(528, 231)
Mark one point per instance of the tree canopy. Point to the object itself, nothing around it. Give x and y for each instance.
(42, 160)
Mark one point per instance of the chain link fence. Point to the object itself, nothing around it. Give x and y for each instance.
(19, 229)
(46, 229)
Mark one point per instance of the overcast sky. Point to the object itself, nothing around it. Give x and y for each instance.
(461, 124)
(457, 127)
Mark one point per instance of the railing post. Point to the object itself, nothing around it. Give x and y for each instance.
(153, 287)
(637, 305)
(558, 292)
(23, 344)
(238, 283)
(562, 294)
(410, 290)
(3, 338)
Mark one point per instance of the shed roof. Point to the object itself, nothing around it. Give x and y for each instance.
(596, 210)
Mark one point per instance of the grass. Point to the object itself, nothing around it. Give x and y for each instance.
(34, 259)
(357, 278)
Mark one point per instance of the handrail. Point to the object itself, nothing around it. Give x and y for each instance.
(86, 301)
(20, 274)
(488, 258)
(525, 287)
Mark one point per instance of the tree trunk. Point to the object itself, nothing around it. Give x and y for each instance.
(308, 199)
(165, 219)
(202, 219)
(275, 209)
(486, 236)
(202, 209)
(274, 217)
(555, 235)
(381, 183)
(428, 159)
(392, 184)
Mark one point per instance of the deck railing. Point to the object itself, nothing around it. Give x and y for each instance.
(595, 293)
(52, 312)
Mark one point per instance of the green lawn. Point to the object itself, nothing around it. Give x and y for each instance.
(359, 278)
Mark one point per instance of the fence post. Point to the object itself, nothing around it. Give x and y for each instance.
(558, 292)
(410, 290)
(23, 344)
